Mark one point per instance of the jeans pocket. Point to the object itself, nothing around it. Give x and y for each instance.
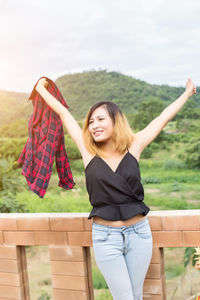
(99, 235)
(144, 231)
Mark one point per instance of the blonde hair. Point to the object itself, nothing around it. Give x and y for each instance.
(122, 133)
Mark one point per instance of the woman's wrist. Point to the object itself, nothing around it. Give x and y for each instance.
(40, 88)
(188, 93)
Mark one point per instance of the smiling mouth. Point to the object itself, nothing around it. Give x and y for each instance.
(97, 133)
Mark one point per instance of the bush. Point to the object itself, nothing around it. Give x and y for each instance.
(155, 146)
(147, 153)
(98, 279)
(9, 204)
(189, 255)
(150, 179)
(174, 164)
(105, 295)
(44, 296)
(165, 145)
(19, 126)
(186, 125)
(192, 156)
(9, 184)
(176, 187)
(11, 147)
(71, 148)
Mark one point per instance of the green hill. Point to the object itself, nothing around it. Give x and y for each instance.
(84, 89)
(13, 106)
(81, 90)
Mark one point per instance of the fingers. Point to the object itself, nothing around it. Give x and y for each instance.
(191, 86)
(191, 83)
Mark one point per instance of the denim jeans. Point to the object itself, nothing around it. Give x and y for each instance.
(123, 255)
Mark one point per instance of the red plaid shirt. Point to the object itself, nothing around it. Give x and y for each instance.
(45, 142)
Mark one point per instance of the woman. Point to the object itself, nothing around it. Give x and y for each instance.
(122, 239)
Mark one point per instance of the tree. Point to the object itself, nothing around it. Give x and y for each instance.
(9, 183)
(189, 111)
(147, 111)
(192, 156)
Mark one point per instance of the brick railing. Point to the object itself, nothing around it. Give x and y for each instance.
(69, 238)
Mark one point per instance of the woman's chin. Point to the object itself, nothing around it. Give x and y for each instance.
(99, 139)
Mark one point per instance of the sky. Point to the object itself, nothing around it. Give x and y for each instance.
(157, 41)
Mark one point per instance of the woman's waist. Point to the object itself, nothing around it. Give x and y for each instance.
(129, 222)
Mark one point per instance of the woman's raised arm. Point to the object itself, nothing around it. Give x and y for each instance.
(68, 120)
(151, 131)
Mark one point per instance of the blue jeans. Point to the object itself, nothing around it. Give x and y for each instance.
(123, 255)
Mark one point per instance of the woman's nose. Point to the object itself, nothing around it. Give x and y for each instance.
(95, 125)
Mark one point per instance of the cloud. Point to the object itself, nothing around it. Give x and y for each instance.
(156, 41)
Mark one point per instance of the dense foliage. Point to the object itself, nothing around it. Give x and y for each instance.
(9, 183)
(81, 90)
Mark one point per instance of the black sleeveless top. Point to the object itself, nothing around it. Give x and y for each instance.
(115, 195)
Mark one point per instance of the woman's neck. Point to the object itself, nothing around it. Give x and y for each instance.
(107, 148)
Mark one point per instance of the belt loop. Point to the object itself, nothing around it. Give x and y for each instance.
(108, 230)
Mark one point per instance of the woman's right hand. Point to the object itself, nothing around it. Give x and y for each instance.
(41, 83)
(190, 87)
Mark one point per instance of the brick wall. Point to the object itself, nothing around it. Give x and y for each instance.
(69, 238)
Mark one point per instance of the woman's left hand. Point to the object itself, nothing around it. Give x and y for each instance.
(190, 87)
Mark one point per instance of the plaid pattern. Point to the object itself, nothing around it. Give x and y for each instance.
(45, 142)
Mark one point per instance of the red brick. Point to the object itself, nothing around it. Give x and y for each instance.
(9, 266)
(155, 222)
(66, 224)
(180, 223)
(8, 252)
(33, 223)
(10, 292)
(154, 271)
(167, 239)
(151, 297)
(156, 256)
(68, 268)
(9, 223)
(19, 238)
(1, 237)
(80, 239)
(6, 298)
(9, 279)
(191, 238)
(71, 295)
(88, 224)
(50, 238)
(69, 282)
(153, 286)
(67, 253)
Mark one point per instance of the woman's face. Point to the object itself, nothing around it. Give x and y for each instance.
(100, 125)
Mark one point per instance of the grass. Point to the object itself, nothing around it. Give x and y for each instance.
(58, 199)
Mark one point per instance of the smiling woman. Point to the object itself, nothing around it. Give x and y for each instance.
(120, 228)
(107, 127)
